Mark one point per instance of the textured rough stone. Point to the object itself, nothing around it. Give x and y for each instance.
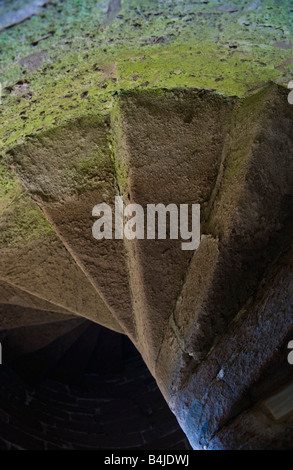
(34, 260)
(167, 167)
(244, 353)
(11, 295)
(160, 102)
(14, 316)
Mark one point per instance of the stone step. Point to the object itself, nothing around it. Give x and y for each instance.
(34, 260)
(248, 223)
(14, 316)
(12, 295)
(79, 177)
(167, 167)
(246, 228)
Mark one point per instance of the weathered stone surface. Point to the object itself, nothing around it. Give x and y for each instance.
(172, 365)
(34, 260)
(167, 167)
(15, 14)
(248, 349)
(161, 102)
(12, 295)
(249, 215)
(193, 329)
(253, 430)
(148, 44)
(14, 316)
(68, 192)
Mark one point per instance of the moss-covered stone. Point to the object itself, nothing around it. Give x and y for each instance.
(66, 160)
(9, 187)
(118, 148)
(21, 222)
(72, 59)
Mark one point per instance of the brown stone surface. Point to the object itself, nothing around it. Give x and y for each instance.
(212, 324)
(249, 215)
(14, 316)
(12, 295)
(172, 365)
(172, 151)
(102, 261)
(249, 349)
(191, 303)
(42, 266)
(68, 193)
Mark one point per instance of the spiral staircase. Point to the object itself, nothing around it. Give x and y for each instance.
(211, 325)
(75, 385)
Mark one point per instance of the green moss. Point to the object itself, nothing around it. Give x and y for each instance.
(85, 60)
(21, 222)
(91, 173)
(117, 146)
(7, 179)
(66, 160)
(200, 66)
(151, 44)
(237, 151)
(9, 187)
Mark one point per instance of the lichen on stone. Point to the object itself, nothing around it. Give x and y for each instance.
(71, 60)
(22, 222)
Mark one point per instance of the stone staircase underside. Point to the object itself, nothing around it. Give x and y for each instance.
(87, 389)
(210, 324)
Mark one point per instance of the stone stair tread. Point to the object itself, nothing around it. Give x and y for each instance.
(12, 295)
(13, 316)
